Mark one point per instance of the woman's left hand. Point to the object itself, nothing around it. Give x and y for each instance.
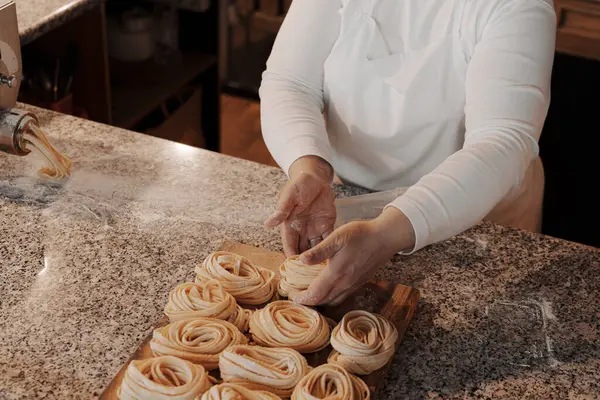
(355, 252)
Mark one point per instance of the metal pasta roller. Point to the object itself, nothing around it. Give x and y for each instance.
(13, 122)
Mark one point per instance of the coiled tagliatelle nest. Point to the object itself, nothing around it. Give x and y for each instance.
(331, 382)
(231, 391)
(163, 377)
(199, 340)
(297, 276)
(363, 342)
(287, 324)
(260, 368)
(246, 282)
(208, 299)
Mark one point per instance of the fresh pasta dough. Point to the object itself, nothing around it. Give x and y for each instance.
(331, 382)
(297, 276)
(59, 165)
(363, 342)
(261, 368)
(287, 324)
(166, 377)
(199, 340)
(246, 282)
(208, 299)
(231, 391)
(241, 319)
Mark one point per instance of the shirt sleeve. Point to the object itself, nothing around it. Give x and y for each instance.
(507, 100)
(291, 91)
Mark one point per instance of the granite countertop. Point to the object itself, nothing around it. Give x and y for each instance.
(37, 17)
(86, 266)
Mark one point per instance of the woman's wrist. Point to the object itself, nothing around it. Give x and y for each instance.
(395, 229)
(312, 165)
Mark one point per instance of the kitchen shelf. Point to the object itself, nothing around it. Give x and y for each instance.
(130, 104)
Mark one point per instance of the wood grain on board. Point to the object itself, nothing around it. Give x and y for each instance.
(395, 302)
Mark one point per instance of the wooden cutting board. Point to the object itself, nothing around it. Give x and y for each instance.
(395, 302)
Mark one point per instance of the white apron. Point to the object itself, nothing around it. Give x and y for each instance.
(420, 80)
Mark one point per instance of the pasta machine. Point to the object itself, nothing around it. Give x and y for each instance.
(13, 122)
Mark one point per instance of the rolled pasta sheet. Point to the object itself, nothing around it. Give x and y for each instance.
(261, 368)
(363, 342)
(246, 282)
(331, 382)
(199, 340)
(231, 391)
(287, 324)
(297, 276)
(166, 377)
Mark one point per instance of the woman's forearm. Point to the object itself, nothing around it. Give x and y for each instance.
(465, 187)
(507, 98)
(291, 90)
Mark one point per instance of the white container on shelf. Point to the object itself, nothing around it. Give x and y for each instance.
(130, 36)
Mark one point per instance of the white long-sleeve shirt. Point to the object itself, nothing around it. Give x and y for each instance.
(447, 97)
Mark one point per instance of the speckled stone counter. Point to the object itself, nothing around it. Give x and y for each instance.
(86, 266)
(37, 17)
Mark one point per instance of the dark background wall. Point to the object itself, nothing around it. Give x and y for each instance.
(570, 151)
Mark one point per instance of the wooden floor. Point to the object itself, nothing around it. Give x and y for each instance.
(240, 130)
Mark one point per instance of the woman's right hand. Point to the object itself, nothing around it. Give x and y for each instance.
(306, 207)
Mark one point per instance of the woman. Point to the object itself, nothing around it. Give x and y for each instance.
(447, 97)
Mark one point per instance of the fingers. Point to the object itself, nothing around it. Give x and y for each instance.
(354, 255)
(276, 218)
(321, 291)
(342, 273)
(340, 299)
(346, 293)
(290, 238)
(301, 297)
(293, 294)
(327, 232)
(303, 243)
(322, 251)
(330, 283)
(314, 241)
(359, 282)
(318, 229)
(285, 206)
(333, 296)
